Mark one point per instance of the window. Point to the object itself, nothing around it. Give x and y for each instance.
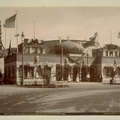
(106, 53)
(107, 71)
(12, 72)
(116, 54)
(39, 50)
(111, 54)
(31, 71)
(25, 72)
(27, 50)
(34, 50)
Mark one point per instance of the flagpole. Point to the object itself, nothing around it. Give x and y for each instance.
(61, 57)
(34, 30)
(110, 36)
(17, 30)
(5, 37)
(22, 38)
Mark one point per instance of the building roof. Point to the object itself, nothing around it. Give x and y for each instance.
(69, 47)
(72, 46)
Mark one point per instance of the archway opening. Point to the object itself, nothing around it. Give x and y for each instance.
(93, 74)
(84, 74)
(75, 73)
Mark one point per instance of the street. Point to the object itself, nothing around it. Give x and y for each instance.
(78, 97)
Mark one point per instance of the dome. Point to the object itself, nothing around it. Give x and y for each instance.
(73, 47)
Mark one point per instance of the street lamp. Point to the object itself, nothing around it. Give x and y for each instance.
(88, 75)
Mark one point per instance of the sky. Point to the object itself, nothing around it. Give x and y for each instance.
(79, 23)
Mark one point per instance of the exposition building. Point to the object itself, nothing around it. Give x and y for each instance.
(67, 60)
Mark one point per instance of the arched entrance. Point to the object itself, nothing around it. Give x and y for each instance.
(93, 74)
(76, 70)
(66, 71)
(84, 74)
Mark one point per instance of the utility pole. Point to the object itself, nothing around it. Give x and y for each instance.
(62, 60)
(22, 38)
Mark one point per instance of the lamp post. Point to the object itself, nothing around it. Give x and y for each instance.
(22, 38)
(61, 58)
(88, 75)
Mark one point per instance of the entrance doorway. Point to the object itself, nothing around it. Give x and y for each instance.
(75, 73)
(93, 77)
(83, 74)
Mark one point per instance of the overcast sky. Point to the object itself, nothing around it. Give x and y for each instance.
(52, 22)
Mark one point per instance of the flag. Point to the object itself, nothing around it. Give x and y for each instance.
(16, 35)
(9, 50)
(91, 41)
(10, 22)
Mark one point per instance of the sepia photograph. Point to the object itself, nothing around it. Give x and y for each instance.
(59, 61)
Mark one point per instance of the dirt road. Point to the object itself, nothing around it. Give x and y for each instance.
(78, 97)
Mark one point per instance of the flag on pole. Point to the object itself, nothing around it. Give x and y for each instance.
(91, 42)
(10, 22)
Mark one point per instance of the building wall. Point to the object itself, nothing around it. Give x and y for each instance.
(10, 69)
(2, 67)
(96, 63)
